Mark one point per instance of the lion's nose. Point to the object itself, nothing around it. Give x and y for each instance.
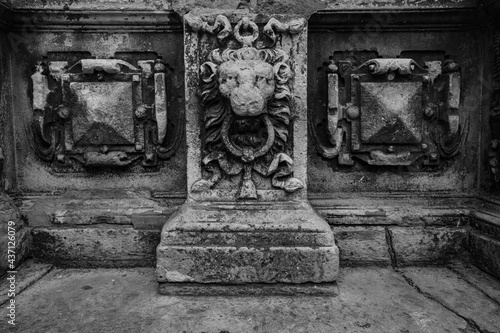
(246, 100)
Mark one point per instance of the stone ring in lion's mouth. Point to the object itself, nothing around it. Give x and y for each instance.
(247, 154)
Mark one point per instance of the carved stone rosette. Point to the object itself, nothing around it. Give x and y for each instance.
(391, 112)
(101, 113)
(245, 91)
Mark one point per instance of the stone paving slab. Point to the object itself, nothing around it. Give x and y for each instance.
(370, 300)
(457, 295)
(483, 281)
(27, 274)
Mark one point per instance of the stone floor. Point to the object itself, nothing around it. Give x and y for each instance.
(456, 298)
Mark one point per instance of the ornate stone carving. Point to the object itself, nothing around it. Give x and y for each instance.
(247, 102)
(101, 113)
(242, 123)
(391, 112)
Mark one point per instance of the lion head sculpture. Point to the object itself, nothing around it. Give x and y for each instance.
(247, 99)
(246, 83)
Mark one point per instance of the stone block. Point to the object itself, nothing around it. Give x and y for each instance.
(486, 223)
(99, 246)
(362, 245)
(421, 245)
(245, 243)
(235, 265)
(14, 248)
(485, 252)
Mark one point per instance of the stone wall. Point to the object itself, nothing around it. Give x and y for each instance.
(389, 214)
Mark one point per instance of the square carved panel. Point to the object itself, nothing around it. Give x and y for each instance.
(100, 113)
(390, 112)
(103, 113)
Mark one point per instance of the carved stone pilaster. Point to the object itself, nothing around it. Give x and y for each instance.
(247, 219)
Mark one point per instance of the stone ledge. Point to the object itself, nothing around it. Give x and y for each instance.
(395, 19)
(249, 289)
(360, 230)
(486, 223)
(358, 245)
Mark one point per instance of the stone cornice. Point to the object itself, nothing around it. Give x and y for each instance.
(33, 20)
(396, 20)
(429, 19)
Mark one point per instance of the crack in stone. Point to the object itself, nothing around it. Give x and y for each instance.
(30, 284)
(469, 321)
(390, 248)
(461, 276)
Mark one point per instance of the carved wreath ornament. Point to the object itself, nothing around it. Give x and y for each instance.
(246, 98)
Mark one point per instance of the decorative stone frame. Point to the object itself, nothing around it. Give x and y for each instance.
(423, 122)
(100, 113)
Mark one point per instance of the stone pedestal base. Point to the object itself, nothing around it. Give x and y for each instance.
(279, 242)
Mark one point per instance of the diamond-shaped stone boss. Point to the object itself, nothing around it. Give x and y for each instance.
(391, 112)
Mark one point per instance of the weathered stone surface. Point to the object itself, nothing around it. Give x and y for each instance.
(369, 300)
(457, 295)
(14, 235)
(362, 245)
(389, 112)
(332, 38)
(486, 223)
(484, 239)
(249, 289)
(245, 243)
(105, 113)
(27, 274)
(92, 5)
(246, 265)
(359, 243)
(484, 282)
(126, 207)
(485, 253)
(426, 245)
(263, 6)
(246, 219)
(402, 209)
(100, 246)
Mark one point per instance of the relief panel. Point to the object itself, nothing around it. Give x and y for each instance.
(391, 112)
(97, 113)
(245, 90)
